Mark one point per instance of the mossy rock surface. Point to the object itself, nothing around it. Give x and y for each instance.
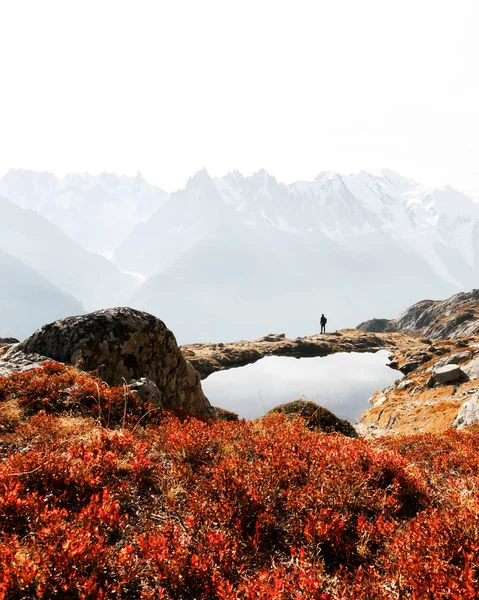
(316, 417)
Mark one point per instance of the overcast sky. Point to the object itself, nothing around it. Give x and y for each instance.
(296, 87)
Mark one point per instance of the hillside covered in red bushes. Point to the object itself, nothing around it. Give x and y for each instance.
(101, 497)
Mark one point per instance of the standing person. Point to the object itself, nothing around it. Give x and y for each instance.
(323, 323)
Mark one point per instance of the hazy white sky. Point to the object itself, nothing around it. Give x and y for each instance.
(296, 87)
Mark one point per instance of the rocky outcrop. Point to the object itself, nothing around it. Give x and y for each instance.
(6, 343)
(120, 344)
(222, 414)
(453, 318)
(378, 326)
(316, 417)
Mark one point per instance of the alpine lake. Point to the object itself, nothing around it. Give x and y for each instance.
(341, 382)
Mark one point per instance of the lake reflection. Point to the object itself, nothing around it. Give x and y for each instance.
(341, 382)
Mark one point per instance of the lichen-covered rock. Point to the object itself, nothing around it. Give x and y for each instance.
(122, 344)
(316, 417)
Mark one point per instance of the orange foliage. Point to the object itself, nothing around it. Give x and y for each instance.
(185, 509)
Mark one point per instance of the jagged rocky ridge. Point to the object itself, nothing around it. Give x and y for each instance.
(455, 317)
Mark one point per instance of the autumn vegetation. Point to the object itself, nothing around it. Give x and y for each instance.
(101, 497)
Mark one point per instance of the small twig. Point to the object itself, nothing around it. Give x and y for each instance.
(24, 472)
(125, 394)
(100, 414)
(174, 516)
(141, 418)
(264, 409)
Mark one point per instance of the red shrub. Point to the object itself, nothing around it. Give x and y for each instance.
(187, 509)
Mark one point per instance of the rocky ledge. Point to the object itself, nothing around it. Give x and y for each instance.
(211, 357)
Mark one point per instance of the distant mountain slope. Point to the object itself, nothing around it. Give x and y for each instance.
(28, 301)
(452, 318)
(90, 278)
(235, 284)
(184, 220)
(98, 211)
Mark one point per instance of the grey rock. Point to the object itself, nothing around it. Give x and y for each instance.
(448, 374)
(416, 390)
(121, 344)
(8, 342)
(453, 359)
(409, 367)
(453, 318)
(147, 391)
(273, 337)
(15, 360)
(402, 385)
(471, 369)
(468, 413)
(377, 325)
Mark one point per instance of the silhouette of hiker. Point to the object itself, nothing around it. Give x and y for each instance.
(323, 323)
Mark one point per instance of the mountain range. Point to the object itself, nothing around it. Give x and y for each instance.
(238, 257)
(97, 211)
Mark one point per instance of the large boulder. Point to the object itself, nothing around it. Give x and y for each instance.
(123, 344)
(448, 374)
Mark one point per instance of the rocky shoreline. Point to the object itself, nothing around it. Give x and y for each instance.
(211, 357)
